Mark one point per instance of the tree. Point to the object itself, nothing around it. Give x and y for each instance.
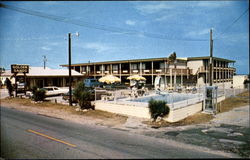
(158, 108)
(83, 96)
(38, 94)
(171, 60)
(9, 86)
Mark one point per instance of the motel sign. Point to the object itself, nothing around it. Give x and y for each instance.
(19, 68)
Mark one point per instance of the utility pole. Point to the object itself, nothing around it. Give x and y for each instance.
(44, 61)
(70, 77)
(70, 88)
(211, 59)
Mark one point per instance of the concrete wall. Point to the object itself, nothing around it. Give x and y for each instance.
(130, 110)
(181, 113)
(225, 85)
(175, 114)
(238, 80)
(194, 65)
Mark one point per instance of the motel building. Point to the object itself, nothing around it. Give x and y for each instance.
(191, 71)
(42, 77)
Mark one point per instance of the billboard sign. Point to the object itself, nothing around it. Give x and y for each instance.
(19, 68)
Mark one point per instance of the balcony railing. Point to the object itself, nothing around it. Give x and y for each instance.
(143, 72)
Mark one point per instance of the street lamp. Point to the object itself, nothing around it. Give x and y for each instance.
(70, 78)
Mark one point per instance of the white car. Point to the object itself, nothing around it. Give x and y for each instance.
(53, 90)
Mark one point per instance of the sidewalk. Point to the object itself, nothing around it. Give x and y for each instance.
(3, 93)
(228, 132)
(237, 116)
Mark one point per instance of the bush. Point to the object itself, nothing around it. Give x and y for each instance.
(157, 108)
(38, 95)
(83, 96)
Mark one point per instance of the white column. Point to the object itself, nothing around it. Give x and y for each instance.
(181, 78)
(120, 70)
(140, 68)
(171, 85)
(152, 70)
(80, 69)
(130, 70)
(102, 69)
(111, 69)
(175, 78)
(165, 74)
(94, 71)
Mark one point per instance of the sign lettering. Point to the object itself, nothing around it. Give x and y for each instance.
(18, 68)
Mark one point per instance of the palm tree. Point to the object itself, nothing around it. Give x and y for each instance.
(172, 59)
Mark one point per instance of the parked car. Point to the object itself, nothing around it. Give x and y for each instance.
(91, 83)
(53, 91)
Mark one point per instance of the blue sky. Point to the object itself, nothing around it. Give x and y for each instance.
(184, 26)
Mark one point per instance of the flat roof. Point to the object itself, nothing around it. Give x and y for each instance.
(47, 72)
(146, 60)
(124, 61)
(208, 57)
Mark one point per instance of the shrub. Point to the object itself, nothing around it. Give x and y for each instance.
(83, 96)
(38, 95)
(157, 108)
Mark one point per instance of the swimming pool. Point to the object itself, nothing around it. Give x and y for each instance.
(167, 97)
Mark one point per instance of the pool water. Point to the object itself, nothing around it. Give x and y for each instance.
(168, 98)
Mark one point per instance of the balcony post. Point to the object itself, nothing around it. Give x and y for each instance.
(171, 85)
(165, 74)
(120, 70)
(111, 70)
(152, 70)
(130, 68)
(94, 71)
(140, 68)
(102, 70)
(181, 78)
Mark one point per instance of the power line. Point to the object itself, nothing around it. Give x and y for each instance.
(232, 24)
(29, 39)
(97, 26)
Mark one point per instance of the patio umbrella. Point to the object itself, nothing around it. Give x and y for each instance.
(109, 79)
(137, 78)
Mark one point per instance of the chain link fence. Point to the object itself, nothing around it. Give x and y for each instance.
(174, 99)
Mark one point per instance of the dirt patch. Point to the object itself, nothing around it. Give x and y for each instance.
(194, 119)
(65, 112)
(234, 102)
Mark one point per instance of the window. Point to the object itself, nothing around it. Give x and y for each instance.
(115, 67)
(134, 66)
(83, 69)
(143, 66)
(162, 65)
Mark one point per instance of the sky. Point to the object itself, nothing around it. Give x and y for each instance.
(121, 30)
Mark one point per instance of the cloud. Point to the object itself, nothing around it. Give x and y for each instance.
(198, 33)
(165, 6)
(153, 7)
(130, 22)
(213, 4)
(46, 48)
(98, 47)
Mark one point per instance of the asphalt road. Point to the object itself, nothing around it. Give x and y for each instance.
(26, 135)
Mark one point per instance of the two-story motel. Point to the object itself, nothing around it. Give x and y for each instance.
(184, 71)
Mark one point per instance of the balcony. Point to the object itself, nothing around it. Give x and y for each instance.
(178, 72)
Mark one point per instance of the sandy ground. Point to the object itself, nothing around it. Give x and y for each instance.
(237, 116)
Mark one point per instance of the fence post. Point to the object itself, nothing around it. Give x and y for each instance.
(95, 94)
(172, 100)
